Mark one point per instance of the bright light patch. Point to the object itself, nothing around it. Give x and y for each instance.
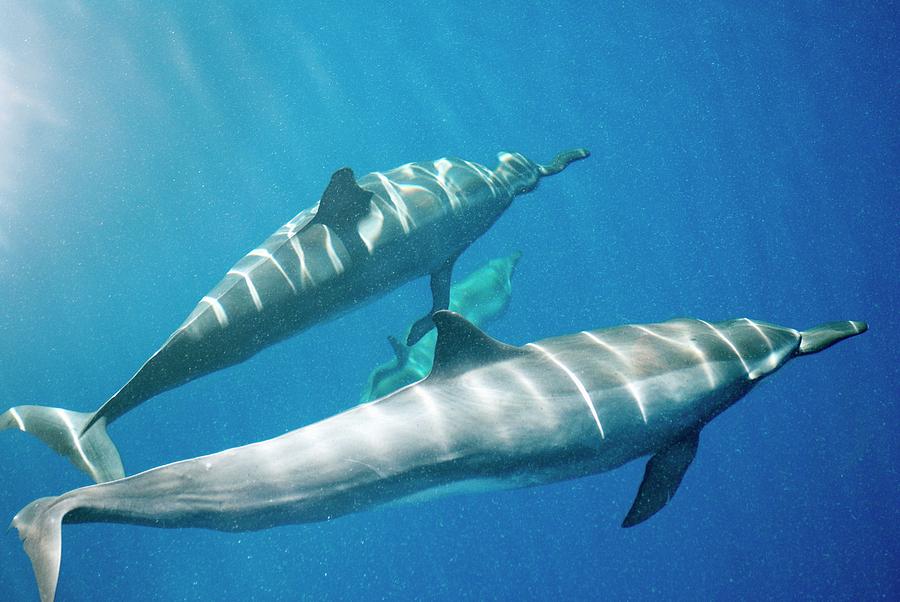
(486, 397)
(612, 349)
(254, 294)
(772, 359)
(17, 418)
(484, 174)
(433, 409)
(756, 327)
(689, 345)
(268, 256)
(370, 227)
(336, 262)
(306, 278)
(218, 310)
(397, 201)
(730, 344)
(75, 439)
(30, 118)
(578, 385)
(552, 419)
(443, 167)
(631, 387)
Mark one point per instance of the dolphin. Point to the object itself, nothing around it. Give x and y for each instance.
(361, 240)
(488, 416)
(480, 297)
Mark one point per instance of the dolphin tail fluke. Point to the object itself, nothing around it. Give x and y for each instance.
(40, 528)
(92, 452)
(562, 160)
(824, 336)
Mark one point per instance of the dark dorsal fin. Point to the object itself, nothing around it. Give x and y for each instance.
(461, 345)
(343, 203)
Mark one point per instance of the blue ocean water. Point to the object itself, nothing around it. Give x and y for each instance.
(744, 164)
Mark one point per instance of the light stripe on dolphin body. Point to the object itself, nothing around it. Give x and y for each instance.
(18, 419)
(629, 385)
(396, 200)
(551, 418)
(306, 278)
(484, 174)
(576, 381)
(251, 287)
(442, 167)
(370, 228)
(64, 418)
(730, 345)
(692, 347)
(267, 256)
(218, 310)
(336, 262)
(772, 360)
(437, 418)
(762, 334)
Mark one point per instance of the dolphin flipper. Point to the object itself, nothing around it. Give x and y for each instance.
(661, 479)
(440, 300)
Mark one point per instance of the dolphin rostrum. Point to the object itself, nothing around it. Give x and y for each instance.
(363, 239)
(480, 297)
(489, 416)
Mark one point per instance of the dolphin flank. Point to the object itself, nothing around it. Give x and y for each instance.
(488, 416)
(363, 239)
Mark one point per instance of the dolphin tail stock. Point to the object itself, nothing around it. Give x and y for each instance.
(562, 160)
(824, 336)
(40, 528)
(92, 452)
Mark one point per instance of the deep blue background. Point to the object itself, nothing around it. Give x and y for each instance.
(745, 164)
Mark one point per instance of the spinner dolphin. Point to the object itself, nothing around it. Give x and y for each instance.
(363, 239)
(489, 416)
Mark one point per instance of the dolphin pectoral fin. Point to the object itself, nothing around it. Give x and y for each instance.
(440, 299)
(662, 477)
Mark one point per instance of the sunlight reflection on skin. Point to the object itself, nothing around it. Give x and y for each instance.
(633, 388)
(578, 385)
